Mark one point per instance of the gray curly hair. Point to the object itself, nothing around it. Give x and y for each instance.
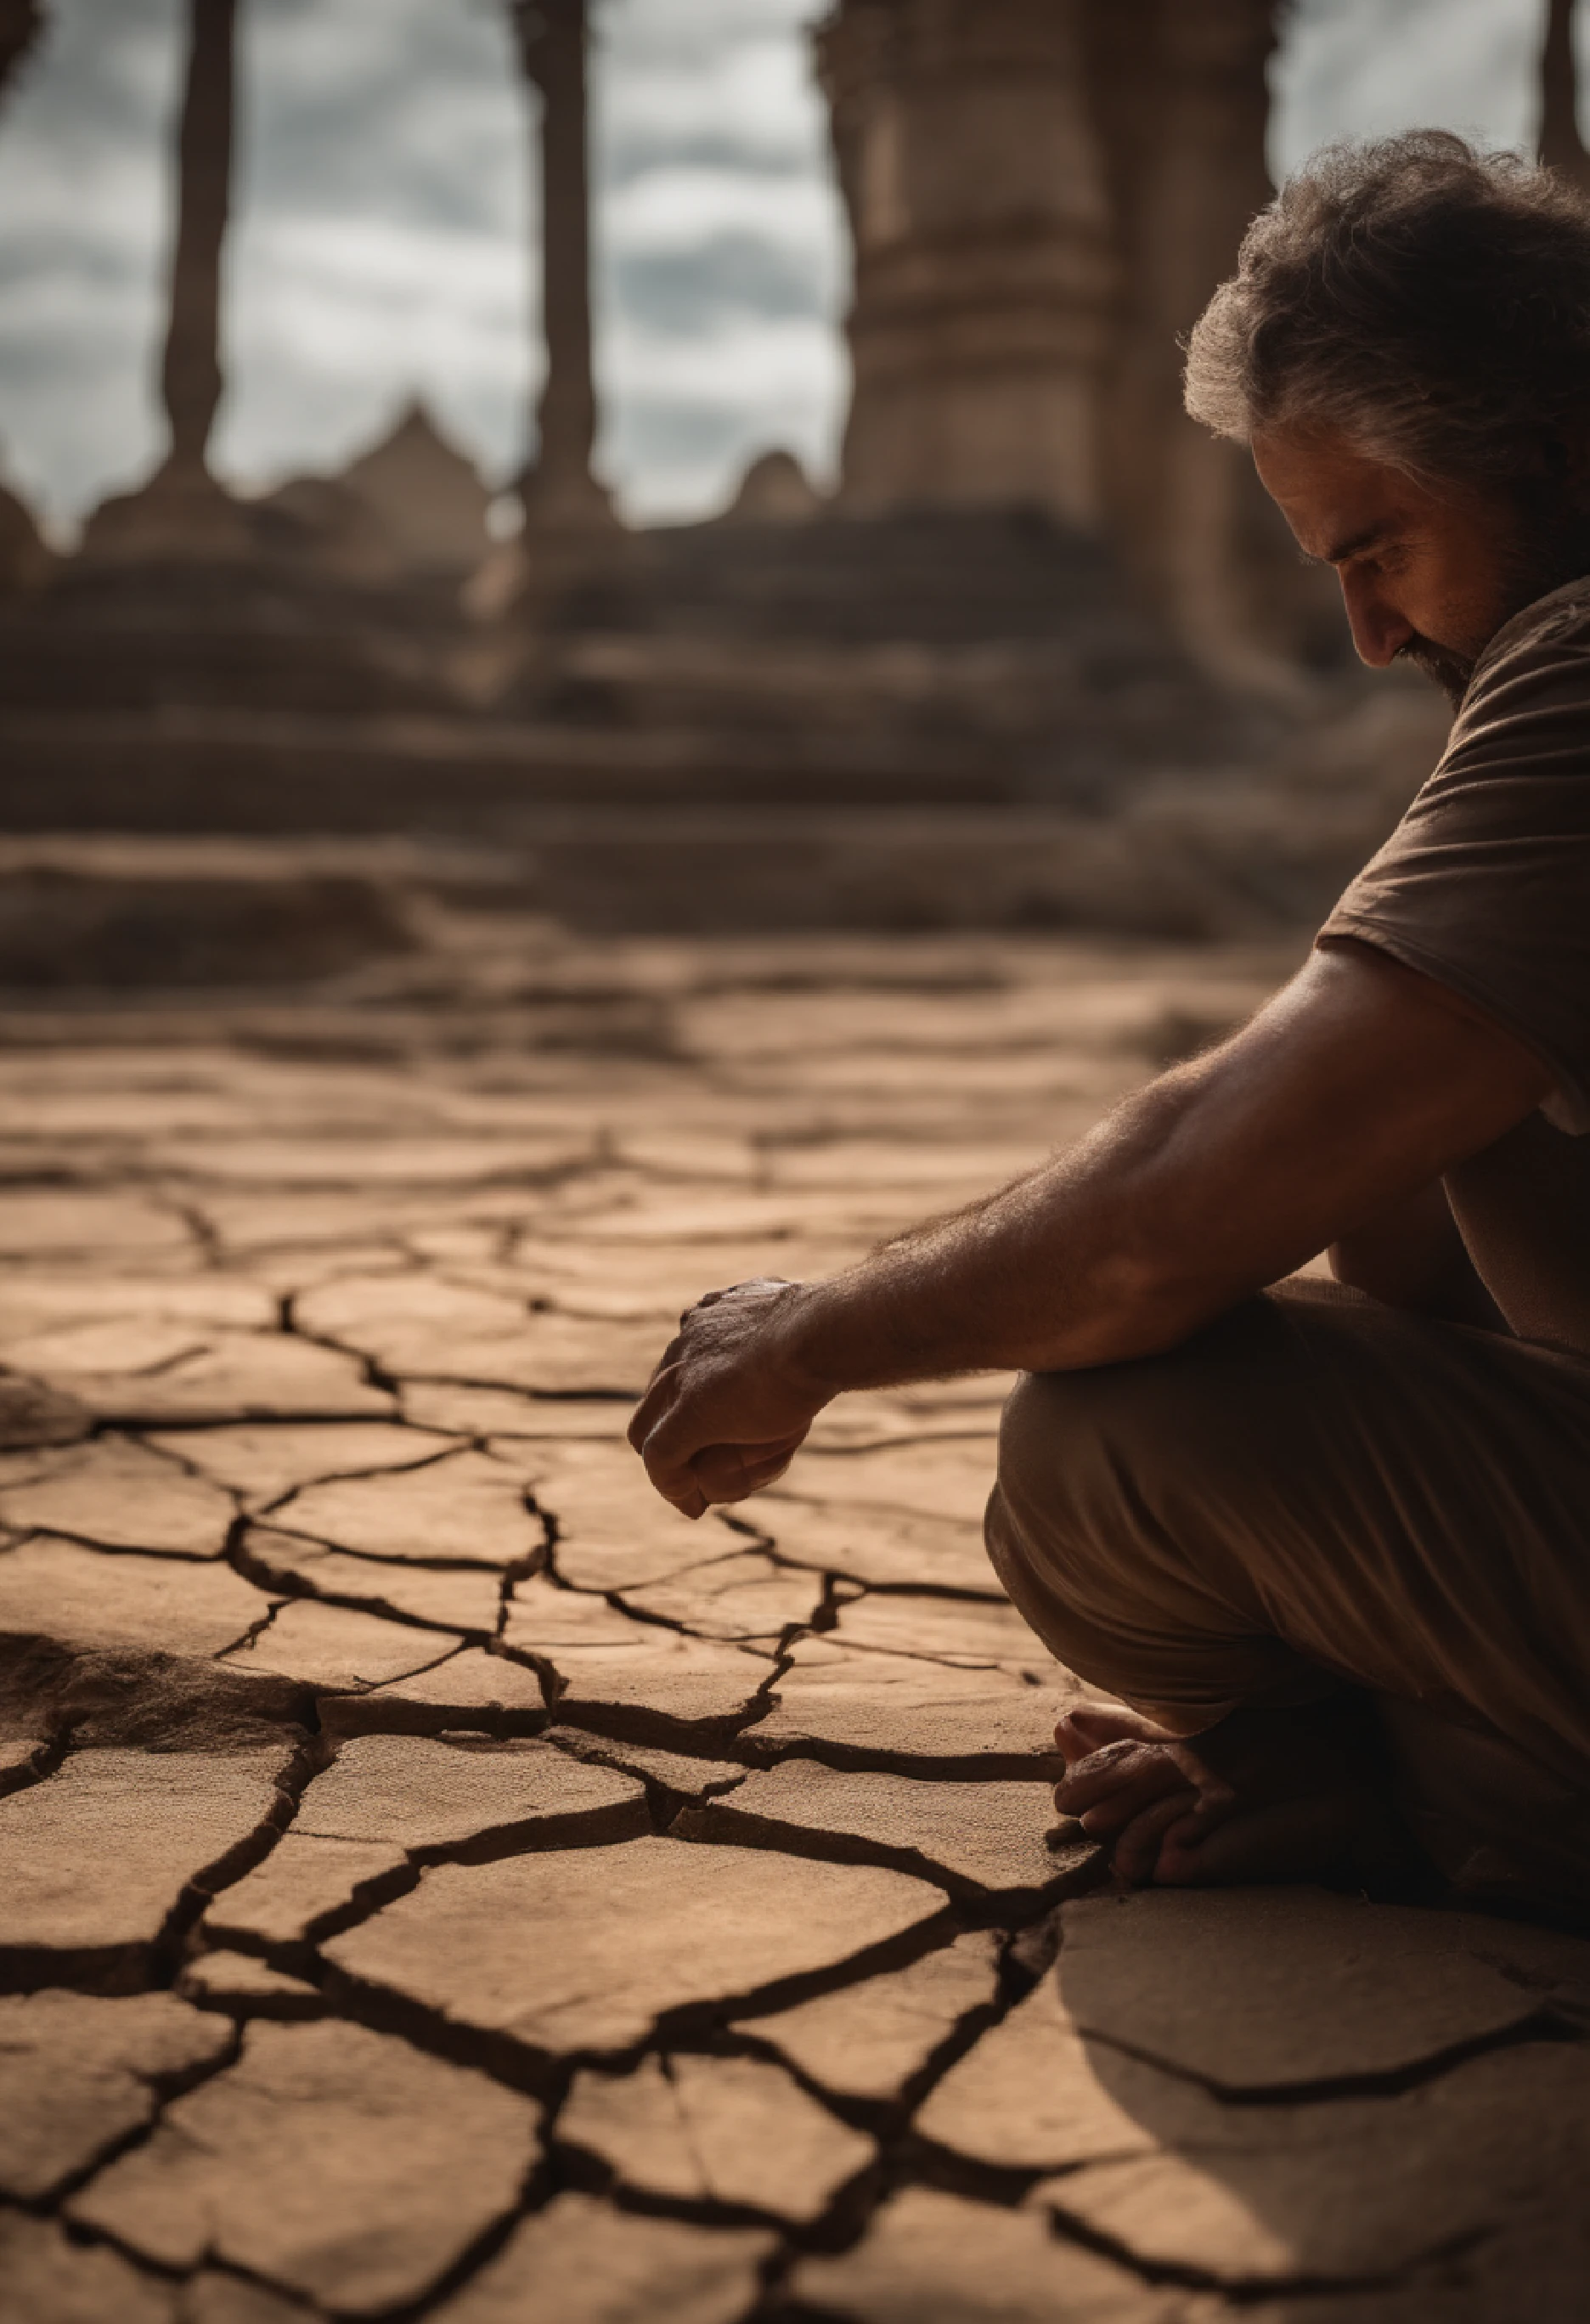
(1428, 301)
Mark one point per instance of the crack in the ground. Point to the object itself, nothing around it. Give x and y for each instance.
(1246, 2289)
(994, 1906)
(1545, 2026)
(370, 1370)
(256, 1567)
(546, 2073)
(164, 2088)
(48, 1753)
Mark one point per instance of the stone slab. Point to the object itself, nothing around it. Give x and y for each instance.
(380, 1162)
(735, 1596)
(471, 1688)
(418, 1326)
(588, 1950)
(862, 1709)
(453, 1597)
(47, 2279)
(72, 1223)
(122, 1495)
(933, 2255)
(578, 2262)
(338, 1649)
(106, 1346)
(871, 2040)
(971, 1632)
(262, 1461)
(885, 1548)
(211, 2298)
(463, 1509)
(935, 1477)
(99, 1599)
(609, 1664)
(473, 1410)
(301, 1888)
(612, 1531)
(1032, 2095)
(716, 2130)
(692, 1778)
(234, 1376)
(233, 1981)
(79, 2073)
(421, 1792)
(976, 1838)
(40, 1299)
(341, 2165)
(1354, 2191)
(95, 1859)
(1279, 1988)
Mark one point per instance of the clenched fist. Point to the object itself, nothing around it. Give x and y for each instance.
(729, 1405)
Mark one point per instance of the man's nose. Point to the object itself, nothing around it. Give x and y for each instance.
(1379, 630)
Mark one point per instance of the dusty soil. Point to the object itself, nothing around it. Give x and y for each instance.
(437, 1882)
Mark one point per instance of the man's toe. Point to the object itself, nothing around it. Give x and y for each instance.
(1136, 1852)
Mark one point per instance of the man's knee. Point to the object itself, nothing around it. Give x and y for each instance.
(1077, 1455)
(1057, 1426)
(1206, 1416)
(1122, 1513)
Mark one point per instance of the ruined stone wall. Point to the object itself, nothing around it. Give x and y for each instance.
(1043, 194)
(983, 265)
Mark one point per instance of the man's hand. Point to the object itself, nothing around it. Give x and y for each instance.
(728, 1407)
(1358, 1085)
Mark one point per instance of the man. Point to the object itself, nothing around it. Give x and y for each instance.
(1330, 1543)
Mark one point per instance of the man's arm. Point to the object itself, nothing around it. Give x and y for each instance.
(1354, 1090)
(1413, 1256)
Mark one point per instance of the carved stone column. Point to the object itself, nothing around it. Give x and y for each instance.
(21, 23)
(1562, 146)
(190, 375)
(982, 264)
(1181, 102)
(182, 511)
(559, 490)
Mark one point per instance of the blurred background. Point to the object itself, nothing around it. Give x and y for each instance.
(680, 465)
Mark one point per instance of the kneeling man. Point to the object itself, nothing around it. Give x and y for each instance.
(1327, 1541)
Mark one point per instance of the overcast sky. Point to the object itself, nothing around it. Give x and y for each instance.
(383, 231)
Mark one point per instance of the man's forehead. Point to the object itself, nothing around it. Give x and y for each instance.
(1337, 500)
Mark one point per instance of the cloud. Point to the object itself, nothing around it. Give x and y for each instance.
(1368, 68)
(384, 200)
(383, 212)
(84, 194)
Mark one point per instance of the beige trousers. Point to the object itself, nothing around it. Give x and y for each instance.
(1315, 1491)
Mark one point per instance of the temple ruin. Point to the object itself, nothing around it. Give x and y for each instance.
(1039, 592)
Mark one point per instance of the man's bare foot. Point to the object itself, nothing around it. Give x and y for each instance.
(1262, 1796)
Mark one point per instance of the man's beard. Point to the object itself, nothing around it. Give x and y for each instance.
(1449, 671)
(1554, 549)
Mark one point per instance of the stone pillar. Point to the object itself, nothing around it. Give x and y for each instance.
(21, 23)
(559, 490)
(1561, 145)
(1181, 100)
(190, 375)
(182, 511)
(982, 262)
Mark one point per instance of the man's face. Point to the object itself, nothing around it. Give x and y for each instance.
(1427, 575)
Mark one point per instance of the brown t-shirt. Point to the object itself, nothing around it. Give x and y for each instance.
(1485, 886)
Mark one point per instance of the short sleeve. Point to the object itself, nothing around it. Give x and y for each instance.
(1484, 885)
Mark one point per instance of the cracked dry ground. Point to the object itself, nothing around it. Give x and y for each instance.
(438, 1882)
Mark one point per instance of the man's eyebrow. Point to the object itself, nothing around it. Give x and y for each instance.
(1371, 536)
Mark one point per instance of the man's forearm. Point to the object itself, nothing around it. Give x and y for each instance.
(1344, 1096)
(1062, 1269)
